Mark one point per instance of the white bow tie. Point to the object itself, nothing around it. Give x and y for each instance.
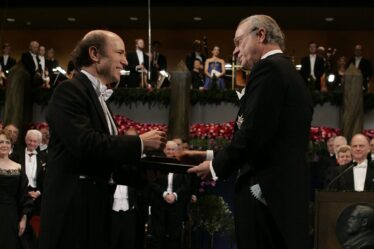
(105, 92)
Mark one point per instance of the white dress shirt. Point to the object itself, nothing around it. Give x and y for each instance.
(312, 58)
(5, 59)
(359, 175)
(169, 189)
(30, 167)
(140, 56)
(121, 199)
(357, 61)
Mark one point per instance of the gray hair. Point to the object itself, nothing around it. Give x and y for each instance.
(35, 133)
(274, 34)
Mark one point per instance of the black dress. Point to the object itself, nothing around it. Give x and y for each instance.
(13, 205)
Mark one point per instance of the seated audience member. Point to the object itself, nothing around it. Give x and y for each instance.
(344, 155)
(329, 166)
(214, 71)
(312, 67)
(197, 75)
(168, 206)
(363, 64)
(359, 177)
(371, 155)
(339, 141)
(14, 150)
(43, 147)
(195, 54)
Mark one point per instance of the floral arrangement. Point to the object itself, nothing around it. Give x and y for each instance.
(124, 124)
(212, 214)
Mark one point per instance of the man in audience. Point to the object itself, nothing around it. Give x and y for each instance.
(44, 71)
(344, 155)
(85, 149)
(158, 62)
(168, 205)
(195, 54)
(276, 99)
(31, 60)
(339, 141)
(138, 65)
(359, 177)
(51, 62)
(371, 156)
(363, 64)
(312, 67)
(43, 147)
(34, 168)
(6, 61)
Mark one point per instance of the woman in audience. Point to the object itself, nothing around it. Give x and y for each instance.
(338, 81)
(14, 203)
(214, 70)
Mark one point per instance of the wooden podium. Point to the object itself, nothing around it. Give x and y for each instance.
(330, 207)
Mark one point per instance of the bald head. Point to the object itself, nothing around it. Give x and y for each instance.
(360, 147)
(34, 47)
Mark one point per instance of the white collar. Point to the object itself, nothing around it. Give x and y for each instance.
(363, 164)
(33, 152)
(96, 83)
(271, 52)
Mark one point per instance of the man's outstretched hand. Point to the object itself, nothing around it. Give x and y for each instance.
(202, 170)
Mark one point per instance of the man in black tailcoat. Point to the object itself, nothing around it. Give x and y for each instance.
(271, 191)
(84, 149)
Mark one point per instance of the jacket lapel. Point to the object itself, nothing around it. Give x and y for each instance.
(369, 176)
(95, 100)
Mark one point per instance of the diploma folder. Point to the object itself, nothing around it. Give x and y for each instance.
(165, 164)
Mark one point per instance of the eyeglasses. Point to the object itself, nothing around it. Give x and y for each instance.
(241, 37)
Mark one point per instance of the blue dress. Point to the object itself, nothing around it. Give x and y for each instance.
(214, 82)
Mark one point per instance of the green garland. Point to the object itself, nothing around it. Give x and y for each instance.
(161, 97)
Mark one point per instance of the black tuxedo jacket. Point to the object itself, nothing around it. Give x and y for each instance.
(346, 181)
(10, 63)
(29, 64)
(40, 169)
(80, 144)
(191, 57)
(319, 68)
(275, 112)
(133, 61)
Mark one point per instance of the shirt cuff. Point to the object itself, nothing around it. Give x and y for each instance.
(209, 155)
(212, 172)
(165, 194)
(176, 196)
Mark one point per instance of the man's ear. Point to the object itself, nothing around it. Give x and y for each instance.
(261, 33)
(94, 54)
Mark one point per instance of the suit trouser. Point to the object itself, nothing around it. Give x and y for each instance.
(123, 230)
(254, 224)
(88, 223)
